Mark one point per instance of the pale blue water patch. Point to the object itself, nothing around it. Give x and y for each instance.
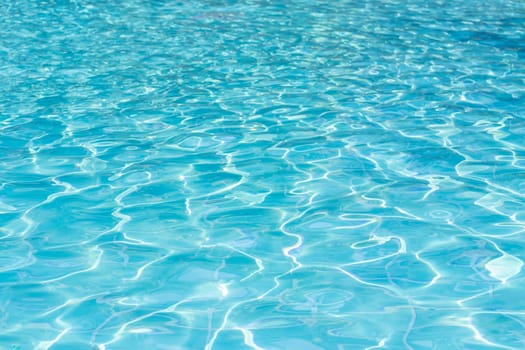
(262, 175)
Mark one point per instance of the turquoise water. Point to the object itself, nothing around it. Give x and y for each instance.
(262, 175)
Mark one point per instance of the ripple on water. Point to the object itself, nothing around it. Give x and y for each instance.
(262, 175)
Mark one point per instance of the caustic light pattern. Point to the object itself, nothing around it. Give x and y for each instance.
(262, 174)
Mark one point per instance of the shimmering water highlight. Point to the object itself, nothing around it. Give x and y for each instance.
(262, 174)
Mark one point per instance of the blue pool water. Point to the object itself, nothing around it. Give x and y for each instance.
(297, 175)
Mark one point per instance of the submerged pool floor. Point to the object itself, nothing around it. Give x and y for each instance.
(296, 175)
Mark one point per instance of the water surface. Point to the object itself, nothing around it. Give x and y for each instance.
(262, 175)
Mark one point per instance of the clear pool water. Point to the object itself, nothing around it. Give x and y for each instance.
(294, 174)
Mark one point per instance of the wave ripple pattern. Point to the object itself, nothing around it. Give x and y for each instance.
(262, 174)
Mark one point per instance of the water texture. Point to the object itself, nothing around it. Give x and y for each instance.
(262, 174)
